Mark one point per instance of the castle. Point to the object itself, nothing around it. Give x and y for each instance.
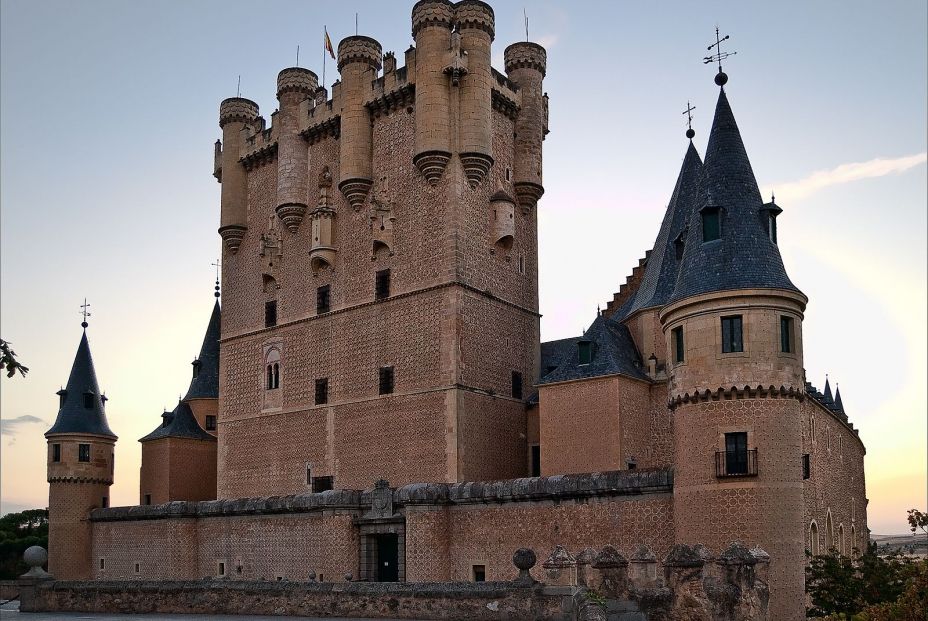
(380, 332)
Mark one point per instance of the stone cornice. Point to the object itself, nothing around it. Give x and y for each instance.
(504, 104)
(395, 99)
(259, 157)
(735, 392)
(329, 127)
(77, 479)
(712, 302)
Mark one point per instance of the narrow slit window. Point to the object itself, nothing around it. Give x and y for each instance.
(536, 461)
(147, 499)
(678, 348)
(732, 335)
(772, 227)
(322, 391)
(386, 380)
(786, 334)
(270, 314)
(806, 466)
(322, 299)
(516, 385)
(382, 285)
(56, 452)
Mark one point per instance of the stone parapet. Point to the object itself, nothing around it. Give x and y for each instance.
(359, 49)
(475, 14)
(525, 55)
(297, 80)
(237, 109)
(431, 13)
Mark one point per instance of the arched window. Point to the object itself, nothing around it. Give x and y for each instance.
(841, 548)
(813, 539)
(812, 429)
(829, 533)
(854, 548)
(272, 369)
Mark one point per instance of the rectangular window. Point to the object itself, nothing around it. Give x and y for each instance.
(386, 380)
(105, 502)
(88, 400)
(322, 391)
(584, 352)
(210, 422)
(222, 569)
(322, 484)
(676, 336)
(711, 224)
(480, 573)
(736, 453)
(536, 461)
(631, 465)
(382, 285)
(516, 385)
(270, 314)
(806, 466)
(102, 563)
(138, 568)
(147, 499)
(322, 299)
(731, 334)
(56, 452)
(772, 227)
(83, 452)
(786, 334)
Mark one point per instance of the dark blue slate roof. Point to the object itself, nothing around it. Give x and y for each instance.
(206, 383)
(614, 353)
(825, 400)
(660, 272)
(181, 423)
(73, 417)
(744, 257)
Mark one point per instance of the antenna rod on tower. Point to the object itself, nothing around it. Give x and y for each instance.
(238, 89)
(525, 14)
(298, 56)
(355, 24)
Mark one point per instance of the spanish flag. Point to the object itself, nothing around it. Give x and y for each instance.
(328, 43)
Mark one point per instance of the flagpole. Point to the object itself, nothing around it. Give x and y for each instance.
(325, 33)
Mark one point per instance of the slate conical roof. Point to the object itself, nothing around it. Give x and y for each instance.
(838, 405)
(660, 273)
(73, 416)
(744, 257)
(829, 400)
(180, 424)
(613, 350)
(205, 384)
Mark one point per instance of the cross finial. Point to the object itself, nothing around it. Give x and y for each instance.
(85, 313)
(216, 265)
(718, 56)
(689, 120)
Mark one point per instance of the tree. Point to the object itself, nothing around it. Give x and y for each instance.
(918, 521)
(9, 362)
(19, 531)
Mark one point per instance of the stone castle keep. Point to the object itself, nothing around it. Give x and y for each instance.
(373, 402)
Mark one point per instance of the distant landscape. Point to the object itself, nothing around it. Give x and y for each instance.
(912, 545)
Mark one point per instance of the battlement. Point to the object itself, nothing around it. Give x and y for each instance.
(237, 109)
(525, 55)
(475, 14)
(297, 80)
(359, 49)
(427, 13)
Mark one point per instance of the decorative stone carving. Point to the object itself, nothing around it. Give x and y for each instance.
(355, 190)
(381, 500)
(561, 567)
(457, 64)
(232, 236)
(321, 252)
(524, 559)
(271, 251)
(382, 219)
(432, 164)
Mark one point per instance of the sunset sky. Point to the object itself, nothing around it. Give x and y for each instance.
(109, 111)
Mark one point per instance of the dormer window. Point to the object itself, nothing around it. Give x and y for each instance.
(679, 244)
(196, 368)
(769, 214)
(585, 351)
(62, 395)
(772, 227)
(88, 400)
(711, 224)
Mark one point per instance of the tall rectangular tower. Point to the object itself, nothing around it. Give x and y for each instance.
(380, 266)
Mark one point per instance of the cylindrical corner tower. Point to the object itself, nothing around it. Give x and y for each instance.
(234, 114)
(431, 29)
(294, 85)
(476, 23)
(359, 61)
(80, 469)
(525, 64)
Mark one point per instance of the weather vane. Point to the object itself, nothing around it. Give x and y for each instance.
(216, 265)
(689, 120)
(85, 313)
(718, 57)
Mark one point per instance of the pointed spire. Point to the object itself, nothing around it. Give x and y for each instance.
(838, 405)
(660, 273)
(743, 256)
(205, 382)
(81, 404)
(181, 423)
(829, 400)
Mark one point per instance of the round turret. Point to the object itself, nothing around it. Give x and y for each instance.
(475, 22)
(237, 109)
(475, 14)
(297, 80)
(432, 13)
(525, 55)
(525, 64)
(359, 49)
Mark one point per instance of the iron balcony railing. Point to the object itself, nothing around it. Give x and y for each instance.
(736, 464)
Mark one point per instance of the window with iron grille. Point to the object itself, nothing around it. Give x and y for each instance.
(322, 484)
(516, 385)
(210, 422)
(676, 336)
(322, 391)
(386, 380)
(270, 314)
(382, 285)
(322, 299)
(786, 334)
(732, 334)
(83, 452)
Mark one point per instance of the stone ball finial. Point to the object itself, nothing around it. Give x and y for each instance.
(690, 133)
(524, 559)
(721, 78)
(35, 557)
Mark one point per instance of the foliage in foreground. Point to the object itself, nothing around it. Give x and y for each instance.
(19, 531)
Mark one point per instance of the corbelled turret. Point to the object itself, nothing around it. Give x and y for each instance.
(359, 62)
(294, 85)
(235, 114)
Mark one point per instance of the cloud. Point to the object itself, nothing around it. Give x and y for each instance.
(9, 426)
(846, 173)
(547, 41)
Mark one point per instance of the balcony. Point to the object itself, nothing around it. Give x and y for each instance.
(736, 464)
